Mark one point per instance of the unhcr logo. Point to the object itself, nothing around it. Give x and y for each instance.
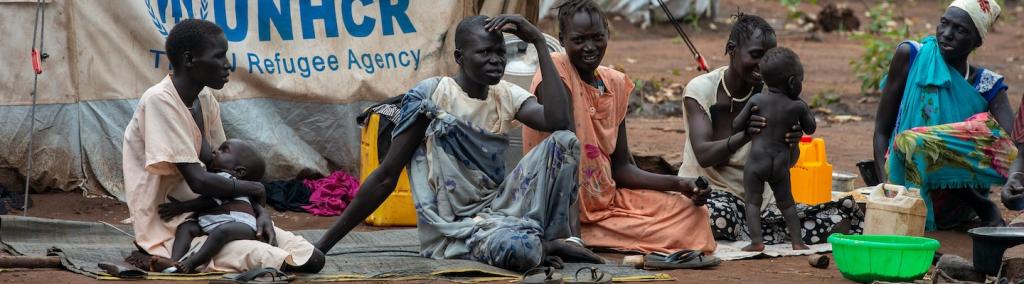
(358, 17)
(176, 7)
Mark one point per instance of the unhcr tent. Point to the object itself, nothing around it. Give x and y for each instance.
(302, 70)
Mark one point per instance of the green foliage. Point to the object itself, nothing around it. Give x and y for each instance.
(793, 7)
(880, 39)
(823, 100)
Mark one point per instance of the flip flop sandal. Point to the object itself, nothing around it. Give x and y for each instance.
(595, 276)
(684, 259)
(542, 275)
(266, 275)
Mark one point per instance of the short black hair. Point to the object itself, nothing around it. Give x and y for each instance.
(778, 64)
(569, 8)
(745, 27)
(248, 157)
(190, 35)
(468, 26)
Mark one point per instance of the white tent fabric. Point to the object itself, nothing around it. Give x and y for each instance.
(303, 70)
(647, 11)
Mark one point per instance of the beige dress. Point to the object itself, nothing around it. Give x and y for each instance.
(161, 134)
(727, 176)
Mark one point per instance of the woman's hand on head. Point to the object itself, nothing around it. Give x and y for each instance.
(521, 28)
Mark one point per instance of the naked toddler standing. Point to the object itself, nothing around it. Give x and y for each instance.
(770, 156)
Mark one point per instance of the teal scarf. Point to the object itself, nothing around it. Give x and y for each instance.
(936, 93)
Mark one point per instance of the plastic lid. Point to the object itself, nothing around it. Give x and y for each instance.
(806, 139)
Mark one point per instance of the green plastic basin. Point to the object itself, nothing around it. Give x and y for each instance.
(869, 258)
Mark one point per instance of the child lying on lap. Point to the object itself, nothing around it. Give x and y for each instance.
(223, 220)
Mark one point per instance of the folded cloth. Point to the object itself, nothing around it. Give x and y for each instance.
(331, 194)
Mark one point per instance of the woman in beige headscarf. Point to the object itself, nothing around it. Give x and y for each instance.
(942, 123)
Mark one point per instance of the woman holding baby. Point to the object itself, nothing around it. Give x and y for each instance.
(711, 102)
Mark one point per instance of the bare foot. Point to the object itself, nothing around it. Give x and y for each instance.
(158, 264)
(186, 266)
(572, 252)
(800, 247)
(754, 247)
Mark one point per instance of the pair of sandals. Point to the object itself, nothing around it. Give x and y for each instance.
(548, 275)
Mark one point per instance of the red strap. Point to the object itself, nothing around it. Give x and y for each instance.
(36, 62)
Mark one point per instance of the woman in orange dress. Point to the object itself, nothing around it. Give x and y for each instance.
(621, 206)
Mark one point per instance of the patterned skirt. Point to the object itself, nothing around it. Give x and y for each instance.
(817, 222)
(974, 154)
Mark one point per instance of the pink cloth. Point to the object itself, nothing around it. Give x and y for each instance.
(331, 194)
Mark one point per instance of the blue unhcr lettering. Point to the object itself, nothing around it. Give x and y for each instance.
(276, 16)
(354, 29)
(279, 15)
(399, 12)
(241, 19)
(325, 12)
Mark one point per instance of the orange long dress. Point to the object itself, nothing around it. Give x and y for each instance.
(619, 218)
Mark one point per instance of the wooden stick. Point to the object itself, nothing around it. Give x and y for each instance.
(30, 262)
(818, 261)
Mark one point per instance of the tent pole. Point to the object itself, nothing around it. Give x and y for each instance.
(31, 136)
(37, 57)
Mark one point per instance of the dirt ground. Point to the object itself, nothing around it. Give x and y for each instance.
(776, 270)
(654, 54)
